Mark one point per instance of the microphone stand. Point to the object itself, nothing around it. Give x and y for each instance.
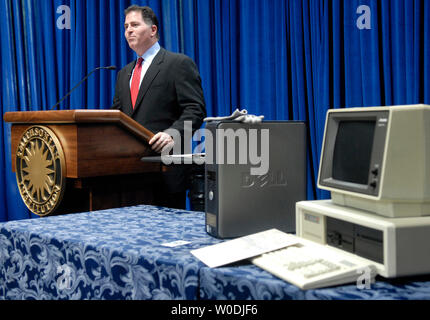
(80, 82)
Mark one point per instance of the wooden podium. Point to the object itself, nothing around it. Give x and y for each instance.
(80, 160)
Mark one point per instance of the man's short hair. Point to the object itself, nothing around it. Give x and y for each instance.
(148, 15)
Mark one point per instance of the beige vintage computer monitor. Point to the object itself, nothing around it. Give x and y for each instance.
(378, 159)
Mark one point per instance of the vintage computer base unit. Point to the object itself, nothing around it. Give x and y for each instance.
(397, 246)
(238, 202)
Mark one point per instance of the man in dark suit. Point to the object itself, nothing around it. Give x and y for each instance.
(160, 90)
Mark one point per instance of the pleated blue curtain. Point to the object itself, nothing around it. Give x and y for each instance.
(285, 59)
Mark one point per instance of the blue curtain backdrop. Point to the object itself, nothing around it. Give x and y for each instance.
(285, 59)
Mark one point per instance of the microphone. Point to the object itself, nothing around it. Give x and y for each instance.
(86, 77)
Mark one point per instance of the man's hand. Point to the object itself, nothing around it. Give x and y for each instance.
(161, 142)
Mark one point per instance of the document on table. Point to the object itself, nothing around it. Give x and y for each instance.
(176, 243)
(243, 248)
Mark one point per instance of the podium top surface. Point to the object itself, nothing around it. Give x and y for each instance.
(78, 116)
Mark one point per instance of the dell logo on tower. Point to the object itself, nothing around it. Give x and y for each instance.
(270, 179)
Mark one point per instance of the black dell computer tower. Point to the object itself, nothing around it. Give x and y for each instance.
(244, 197)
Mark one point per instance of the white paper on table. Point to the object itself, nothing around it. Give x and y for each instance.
(244, 247)
(175, 243)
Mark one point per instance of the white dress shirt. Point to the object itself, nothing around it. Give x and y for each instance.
(147, 57)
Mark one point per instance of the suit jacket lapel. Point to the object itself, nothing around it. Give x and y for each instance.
(149, 77)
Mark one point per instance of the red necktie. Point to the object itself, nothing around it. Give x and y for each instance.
(135, 82)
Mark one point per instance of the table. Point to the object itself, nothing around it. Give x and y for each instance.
(248, 282)
(109, 254)
(119, 254)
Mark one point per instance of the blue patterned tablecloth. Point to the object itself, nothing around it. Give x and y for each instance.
(248, 282)
(119, 254)
(110, 254)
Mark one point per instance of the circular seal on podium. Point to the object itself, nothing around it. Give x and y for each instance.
(40, 170)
